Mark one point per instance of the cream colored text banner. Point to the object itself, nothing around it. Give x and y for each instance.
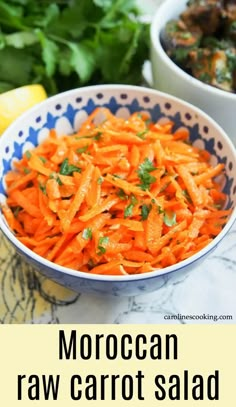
(117, 365)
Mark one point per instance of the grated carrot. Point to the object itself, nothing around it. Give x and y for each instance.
(119, 197)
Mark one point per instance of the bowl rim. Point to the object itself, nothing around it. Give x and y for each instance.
(156, 26)
(100, 277)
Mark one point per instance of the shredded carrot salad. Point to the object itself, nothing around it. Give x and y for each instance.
(122, 196)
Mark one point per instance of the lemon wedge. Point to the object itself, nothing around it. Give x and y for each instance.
(16, 101)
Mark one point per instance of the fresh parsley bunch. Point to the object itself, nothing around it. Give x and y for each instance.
(67, 44)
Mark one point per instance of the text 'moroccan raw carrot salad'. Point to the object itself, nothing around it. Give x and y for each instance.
(122, 196)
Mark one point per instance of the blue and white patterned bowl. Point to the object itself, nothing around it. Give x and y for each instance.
(66, 112)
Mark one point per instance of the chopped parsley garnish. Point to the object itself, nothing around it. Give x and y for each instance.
(68, 169)
(128, 211)
(102, 241)
(148, 122)
(98, 136)
(169, 218)
(100, 180)
(145, 209)
(56, 177)
(160, 210)
(87, 234)
(141, 134)
(43, 188)
(59, 181)
(43, 159)
(28, 154)
(144, 170)
(122, 195)
(102, 250)
(82, 149)
(26, 170)
(133, 200)
(129, 208)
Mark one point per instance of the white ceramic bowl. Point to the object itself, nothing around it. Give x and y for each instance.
(66, 112)
(168, 77)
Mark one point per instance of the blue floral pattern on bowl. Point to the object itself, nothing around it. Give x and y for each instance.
(66, 112)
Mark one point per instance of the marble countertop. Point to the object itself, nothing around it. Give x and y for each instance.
(209, 291)
(206, 292)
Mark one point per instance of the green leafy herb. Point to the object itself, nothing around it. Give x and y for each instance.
(43, 159)
(43, 188)
(55, 176)
(129, 208)
(87, 234)
(231, 58)
(205, 77)
(145, 209)
(49, 52)
(102, 241)
(68, 169)
(26, 170)
(101, 250)
(98, 136)
(160, 210)
(83, 136)
(28, 154)
(180, 54)
(100, 180)
(59, 181)
(170, 218)
(82, 149)
(82, 60)
(144, 170)
(67, 44)
(223, 75)
(122, 195)
(147, 166)
(141, 134)
(148, 122)
(186, 35)
(133, 200)
(128, 211)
